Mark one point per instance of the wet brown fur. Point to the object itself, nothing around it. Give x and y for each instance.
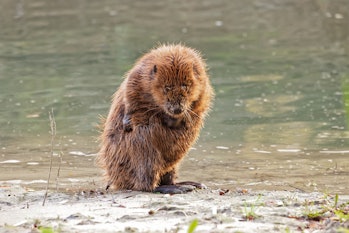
(163, 100)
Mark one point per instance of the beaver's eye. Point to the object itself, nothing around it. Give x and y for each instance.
(184, 87)
(168, 88)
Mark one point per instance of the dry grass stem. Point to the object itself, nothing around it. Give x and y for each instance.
(53, 135)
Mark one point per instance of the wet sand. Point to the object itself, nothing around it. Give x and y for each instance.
(242, 210)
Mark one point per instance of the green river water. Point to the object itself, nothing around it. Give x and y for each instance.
(280, 70)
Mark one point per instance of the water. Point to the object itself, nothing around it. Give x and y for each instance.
(280, 71)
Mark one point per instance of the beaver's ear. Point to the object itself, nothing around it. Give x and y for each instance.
(153, 71)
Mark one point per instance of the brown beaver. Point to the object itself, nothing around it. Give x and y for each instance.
(155, 117)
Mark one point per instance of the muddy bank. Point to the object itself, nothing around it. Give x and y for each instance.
(21, 210)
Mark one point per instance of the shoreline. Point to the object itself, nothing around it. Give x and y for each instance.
(131, 211)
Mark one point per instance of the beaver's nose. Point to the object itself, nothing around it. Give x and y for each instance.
(177, 110)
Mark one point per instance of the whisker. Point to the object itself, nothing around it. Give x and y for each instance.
(187, 114)
(155, 113)
(151, 109)
(194, 113)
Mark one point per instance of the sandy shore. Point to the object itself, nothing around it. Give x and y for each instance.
(21, 210)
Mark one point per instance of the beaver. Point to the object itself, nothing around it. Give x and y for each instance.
(155, 117)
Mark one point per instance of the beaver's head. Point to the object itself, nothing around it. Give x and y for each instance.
(177, 80)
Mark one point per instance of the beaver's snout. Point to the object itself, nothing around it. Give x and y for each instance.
(175, 109)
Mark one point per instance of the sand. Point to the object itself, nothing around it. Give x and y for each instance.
(21, 210)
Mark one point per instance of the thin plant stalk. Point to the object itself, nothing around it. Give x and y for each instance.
(53, 135)
(60, 163)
